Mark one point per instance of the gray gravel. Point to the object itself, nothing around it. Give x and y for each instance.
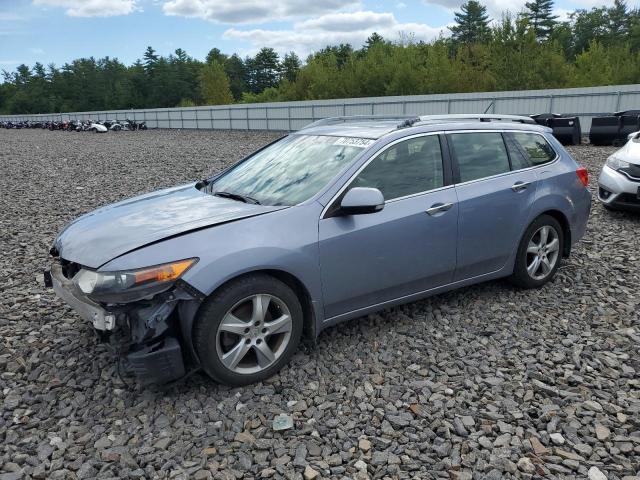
(485, 382)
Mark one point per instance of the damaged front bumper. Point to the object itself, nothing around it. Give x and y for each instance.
(66, 290)
(150, 338)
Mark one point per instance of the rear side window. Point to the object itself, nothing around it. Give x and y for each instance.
(408, 167)
(535, 148)
(479, 154)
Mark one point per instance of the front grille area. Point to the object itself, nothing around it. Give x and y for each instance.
(632, 171)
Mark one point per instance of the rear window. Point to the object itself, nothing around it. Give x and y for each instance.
(479, 155)
(533, 147)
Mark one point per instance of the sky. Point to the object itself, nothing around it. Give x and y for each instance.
(59, 31)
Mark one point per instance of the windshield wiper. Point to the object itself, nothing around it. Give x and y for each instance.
(237, 196)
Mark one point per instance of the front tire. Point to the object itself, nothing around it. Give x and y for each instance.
(248, 330)
(539, 253)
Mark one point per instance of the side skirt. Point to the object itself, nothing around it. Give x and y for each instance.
(503, 272)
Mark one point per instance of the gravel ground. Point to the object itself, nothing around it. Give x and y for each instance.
(485, 382)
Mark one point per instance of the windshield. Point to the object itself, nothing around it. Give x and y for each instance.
(291, 170)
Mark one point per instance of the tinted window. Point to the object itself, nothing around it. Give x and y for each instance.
(479, 155)
(409, 167)
(535, 147)
(519, 158)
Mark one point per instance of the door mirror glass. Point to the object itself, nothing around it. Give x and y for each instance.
(360, 200)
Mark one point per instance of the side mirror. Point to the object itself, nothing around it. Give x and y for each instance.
(359, 200)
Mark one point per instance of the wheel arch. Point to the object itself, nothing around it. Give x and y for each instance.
(566, 229)
(309, 319)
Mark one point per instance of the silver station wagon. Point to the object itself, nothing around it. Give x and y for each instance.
(342, 218)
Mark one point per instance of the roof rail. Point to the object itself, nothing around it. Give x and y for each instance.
(403, 120)
(482, 117)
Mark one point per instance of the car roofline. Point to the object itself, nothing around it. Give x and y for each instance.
(404, 121)
(379, 126)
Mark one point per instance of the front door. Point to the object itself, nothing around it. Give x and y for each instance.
(408, 247)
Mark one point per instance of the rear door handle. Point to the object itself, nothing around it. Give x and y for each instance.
(520, 186)
(439, 208)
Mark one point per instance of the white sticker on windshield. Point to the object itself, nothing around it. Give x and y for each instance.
(353, 142)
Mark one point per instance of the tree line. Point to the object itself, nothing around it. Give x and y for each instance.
(529, 50)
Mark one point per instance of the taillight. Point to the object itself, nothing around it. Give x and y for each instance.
(583, 175)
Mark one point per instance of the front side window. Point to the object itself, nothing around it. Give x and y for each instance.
(535, 147)
(291, 170)
(479, 154)
(408, 167)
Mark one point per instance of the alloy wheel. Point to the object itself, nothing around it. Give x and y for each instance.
(254, 333)
(543, 251)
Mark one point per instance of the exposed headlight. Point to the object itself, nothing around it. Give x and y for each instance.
(130, 285)
(616, 162)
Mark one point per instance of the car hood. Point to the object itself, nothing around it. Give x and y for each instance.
(630, 152)
(104, 234)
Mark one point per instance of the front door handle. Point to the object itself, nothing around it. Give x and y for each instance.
(520, 186)
(439, 208)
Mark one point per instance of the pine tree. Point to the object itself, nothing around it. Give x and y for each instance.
(236, 70)
(290, 66)
(216, 55)
(264, 69)
(472, 23)
(374, 39)
(150, 59)
(214, 85)
(619, 19)
(540, 15)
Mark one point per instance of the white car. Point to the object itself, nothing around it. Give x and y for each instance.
(97, 128)
(619, 182)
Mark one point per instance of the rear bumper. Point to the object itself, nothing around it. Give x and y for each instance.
(616, 190)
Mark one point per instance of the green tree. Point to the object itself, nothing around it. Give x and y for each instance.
(236, 71)
(263, 70)
(215, 55)
(471, 23)
(214, 85)
(540, 15)
(374, 39)
(290, 66)
(593, 67)
(150, 59)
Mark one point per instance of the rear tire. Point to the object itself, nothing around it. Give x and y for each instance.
(539, 253)
(248, 330)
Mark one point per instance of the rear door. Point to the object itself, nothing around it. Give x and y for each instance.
(495, 194)
(408, 247)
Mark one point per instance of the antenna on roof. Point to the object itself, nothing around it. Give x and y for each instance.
(490, 105)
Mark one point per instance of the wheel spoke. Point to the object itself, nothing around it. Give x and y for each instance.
(533, 267)
(281, 324)
(260, 307)
(232, 324)
(546, 266)
(544, 234)
(533, 248)
(553, 245)
(236, 354)
(264, 354)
